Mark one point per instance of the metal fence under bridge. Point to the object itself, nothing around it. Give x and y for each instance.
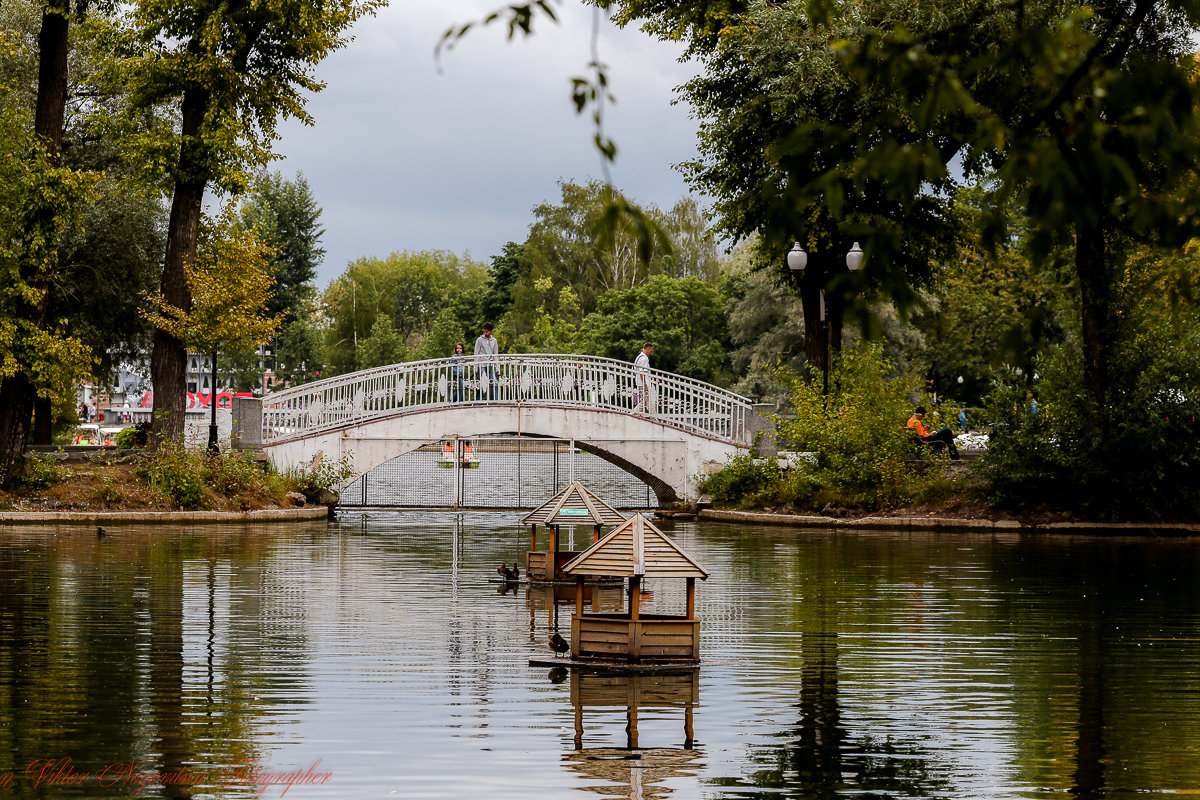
(493, 472)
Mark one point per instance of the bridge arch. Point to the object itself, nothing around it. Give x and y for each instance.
(667, 460)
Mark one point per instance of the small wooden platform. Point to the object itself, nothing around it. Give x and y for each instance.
(536, 583)
(597, 665)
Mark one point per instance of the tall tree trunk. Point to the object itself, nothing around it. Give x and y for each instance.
(18, 394)
(822, 339)
(43, 421)
(52, 80)
(814, 327)
(1095, 300)
(16, 410)
(168, 361)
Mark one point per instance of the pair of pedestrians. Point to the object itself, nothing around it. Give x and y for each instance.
(487, 351)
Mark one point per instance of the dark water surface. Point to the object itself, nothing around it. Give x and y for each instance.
(835, 665)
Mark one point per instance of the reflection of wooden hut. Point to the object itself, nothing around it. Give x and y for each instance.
(631, 692)
(636, 550)
(643, 774)
(633, 771)
(574, 505)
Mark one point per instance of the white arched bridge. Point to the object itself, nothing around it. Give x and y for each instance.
(665, 436)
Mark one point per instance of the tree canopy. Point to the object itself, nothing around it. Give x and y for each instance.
(230, 283)
(287, 218)
(235, 69)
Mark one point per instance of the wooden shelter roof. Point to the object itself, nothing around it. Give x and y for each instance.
(635, 548)
(574, 505)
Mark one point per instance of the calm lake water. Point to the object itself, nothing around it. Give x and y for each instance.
(373, 655)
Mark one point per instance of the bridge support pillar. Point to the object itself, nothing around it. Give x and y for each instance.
(761, 428)
(247, 423)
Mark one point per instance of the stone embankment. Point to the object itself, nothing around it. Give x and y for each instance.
(936, 523)
(8, 518)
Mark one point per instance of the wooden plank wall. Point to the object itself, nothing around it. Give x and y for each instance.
(537, 565)
(644, 639)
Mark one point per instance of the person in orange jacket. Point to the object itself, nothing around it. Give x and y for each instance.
(943, 438)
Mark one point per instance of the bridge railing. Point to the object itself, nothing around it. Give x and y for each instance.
(548, 380)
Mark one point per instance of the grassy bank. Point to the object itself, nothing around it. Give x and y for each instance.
(165, 480)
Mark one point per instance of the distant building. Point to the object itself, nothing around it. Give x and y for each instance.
(132, 387)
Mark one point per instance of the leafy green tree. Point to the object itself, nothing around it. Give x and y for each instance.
(772, 88)
(447, 330)
(299, 354)
(234, 69)
(39, 361)
(985, 314)
(684, 317)
(287, 218)
(1140, 461)
(229, 284)
(1084, 115)
(382, 347)
(505, 272)
(105, 261)
(549, 330)
(569, 242)
(693, 245)
(410, 289)
(575, 244)
(34, 220)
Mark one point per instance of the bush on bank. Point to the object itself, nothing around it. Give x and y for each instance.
(1138, 457)
(166, 478)
(860, 453)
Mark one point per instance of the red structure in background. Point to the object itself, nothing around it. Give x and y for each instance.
(199, 399)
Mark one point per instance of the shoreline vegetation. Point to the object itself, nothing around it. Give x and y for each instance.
(168, 479)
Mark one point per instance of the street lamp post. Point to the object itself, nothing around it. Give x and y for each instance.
(797, 260)
(213, 449)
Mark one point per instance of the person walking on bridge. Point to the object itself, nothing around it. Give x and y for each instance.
(641, 380)
(487, 352)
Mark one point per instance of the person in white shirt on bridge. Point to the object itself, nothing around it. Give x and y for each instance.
(486, 350)
(641, 378)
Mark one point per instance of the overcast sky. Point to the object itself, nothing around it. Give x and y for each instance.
(404, 157)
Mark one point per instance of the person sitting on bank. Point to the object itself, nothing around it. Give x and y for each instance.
(943, 438)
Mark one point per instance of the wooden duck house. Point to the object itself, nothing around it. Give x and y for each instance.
(574, 505)
(635, 550)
